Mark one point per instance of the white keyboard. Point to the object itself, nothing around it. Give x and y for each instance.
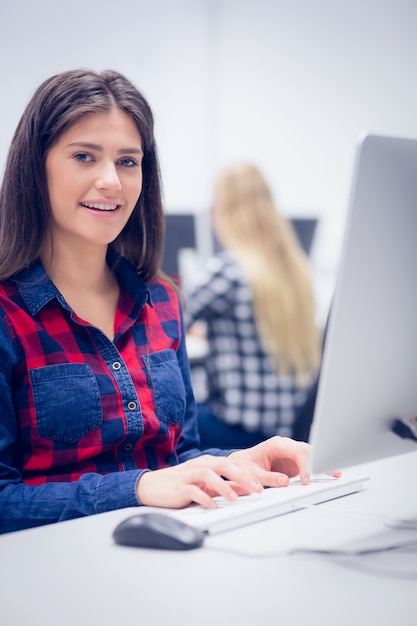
(270, 503)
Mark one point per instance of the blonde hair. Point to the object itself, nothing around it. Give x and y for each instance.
(246, 222)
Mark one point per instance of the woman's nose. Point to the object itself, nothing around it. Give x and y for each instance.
(108, 177)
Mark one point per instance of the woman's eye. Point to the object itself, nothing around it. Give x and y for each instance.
(82, 157)
(127, 162)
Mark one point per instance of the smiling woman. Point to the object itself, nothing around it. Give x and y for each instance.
(97, 409)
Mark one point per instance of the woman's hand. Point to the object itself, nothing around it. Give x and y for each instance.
(269, 464)
(197, 480)
(274, 461)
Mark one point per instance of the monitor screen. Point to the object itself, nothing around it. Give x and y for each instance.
(179, 233)
(368, 375)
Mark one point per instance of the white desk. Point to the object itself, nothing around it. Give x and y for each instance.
(72, 574)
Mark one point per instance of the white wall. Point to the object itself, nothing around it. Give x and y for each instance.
(160, 44)
(289, 84)
(297, 82)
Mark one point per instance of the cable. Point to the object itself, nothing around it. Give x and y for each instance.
(390, 522)
(338, 556)
(357, 559)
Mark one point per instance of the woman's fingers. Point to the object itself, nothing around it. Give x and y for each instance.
(269, 464)
(198, 480)
(275, 460)
(224, 467)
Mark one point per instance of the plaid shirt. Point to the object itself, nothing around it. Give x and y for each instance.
(243, 385)
(81, 416)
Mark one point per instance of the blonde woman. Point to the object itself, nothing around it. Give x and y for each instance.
(256, 299)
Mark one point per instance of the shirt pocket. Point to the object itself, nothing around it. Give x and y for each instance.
(67, 401)
(168, 386)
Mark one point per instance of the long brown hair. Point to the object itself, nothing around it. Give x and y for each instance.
(59, 102)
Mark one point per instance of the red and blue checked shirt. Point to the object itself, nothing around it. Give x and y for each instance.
(81, 417)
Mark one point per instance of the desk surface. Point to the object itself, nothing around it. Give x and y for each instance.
(72, 574)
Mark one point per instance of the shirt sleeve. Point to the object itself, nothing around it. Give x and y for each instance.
(25, 506)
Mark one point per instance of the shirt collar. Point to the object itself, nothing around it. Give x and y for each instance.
(37, 289)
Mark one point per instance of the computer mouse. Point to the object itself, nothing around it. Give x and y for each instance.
(157, 530)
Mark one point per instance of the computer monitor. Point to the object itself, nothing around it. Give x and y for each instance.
(305, 229)
(179, 233)
(368, 377)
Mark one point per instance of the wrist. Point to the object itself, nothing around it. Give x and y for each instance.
(138, 486)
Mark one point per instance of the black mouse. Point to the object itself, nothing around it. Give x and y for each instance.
(157, 530)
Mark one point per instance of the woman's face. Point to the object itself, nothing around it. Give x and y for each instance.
(94, 177)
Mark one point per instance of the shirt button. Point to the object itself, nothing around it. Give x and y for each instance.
(132, 406)
(116, 365)
(128, 446)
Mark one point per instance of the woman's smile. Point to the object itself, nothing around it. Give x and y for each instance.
(100, 206)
